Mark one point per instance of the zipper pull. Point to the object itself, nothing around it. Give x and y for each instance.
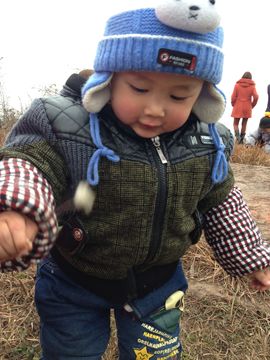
(156, 143)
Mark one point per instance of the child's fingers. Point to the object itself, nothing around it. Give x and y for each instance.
(19, 238)
(28, 245)
(259, 286)
(4, 254)
(24, 235)
(17, 233)
(7, 245)
(261, 280)
(31, 230)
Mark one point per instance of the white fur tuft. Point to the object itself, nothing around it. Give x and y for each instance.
(84, 197)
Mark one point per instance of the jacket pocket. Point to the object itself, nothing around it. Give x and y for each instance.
(72, 237)
(158, 299)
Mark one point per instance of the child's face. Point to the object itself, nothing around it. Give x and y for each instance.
(266, 130)
(153, 103)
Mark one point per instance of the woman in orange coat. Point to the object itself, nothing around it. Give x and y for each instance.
(243, 99)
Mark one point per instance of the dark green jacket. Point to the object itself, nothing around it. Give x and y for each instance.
(145, 211)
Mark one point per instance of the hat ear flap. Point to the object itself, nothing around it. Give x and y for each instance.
(210, 104)
(96, 92)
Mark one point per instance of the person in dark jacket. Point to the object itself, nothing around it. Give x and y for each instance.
(74, 84)
(243, 99)
(261, 136)
(146, 143)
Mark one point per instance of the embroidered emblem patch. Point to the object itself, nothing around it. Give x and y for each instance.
(142, 354)
(176, 58)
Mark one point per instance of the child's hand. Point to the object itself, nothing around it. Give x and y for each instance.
(17, 233)
(260, 280)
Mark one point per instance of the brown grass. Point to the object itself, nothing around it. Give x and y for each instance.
(251, 155)
(223, 319)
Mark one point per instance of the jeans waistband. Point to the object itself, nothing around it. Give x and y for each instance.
(136, 285)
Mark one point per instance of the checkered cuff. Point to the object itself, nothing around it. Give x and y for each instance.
(234, 237)
(24, 189)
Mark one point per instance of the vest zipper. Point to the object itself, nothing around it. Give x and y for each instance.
(160, 205)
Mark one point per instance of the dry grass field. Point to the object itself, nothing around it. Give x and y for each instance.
(223, 318)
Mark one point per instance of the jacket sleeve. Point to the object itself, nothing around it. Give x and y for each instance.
(255, 97)
(33, 177)
(24, 189)
(32, 139)
(234, 96)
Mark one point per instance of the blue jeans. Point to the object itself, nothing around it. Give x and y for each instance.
(75, 323)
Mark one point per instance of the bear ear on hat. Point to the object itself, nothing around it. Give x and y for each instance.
(96, 92)
(210, 104)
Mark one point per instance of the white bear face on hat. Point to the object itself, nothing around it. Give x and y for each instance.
(200, 16)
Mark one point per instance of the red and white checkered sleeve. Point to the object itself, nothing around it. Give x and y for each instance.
(235, 238)
(24, 189)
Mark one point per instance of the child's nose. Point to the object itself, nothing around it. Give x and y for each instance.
(155, 109)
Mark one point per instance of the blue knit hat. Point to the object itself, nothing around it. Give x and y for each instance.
(175, 37)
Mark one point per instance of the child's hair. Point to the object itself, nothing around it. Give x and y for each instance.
(85, 73)
(265, 122)
(173, 38)
(247, 75)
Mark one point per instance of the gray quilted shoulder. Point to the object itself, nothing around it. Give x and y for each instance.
(67, 117)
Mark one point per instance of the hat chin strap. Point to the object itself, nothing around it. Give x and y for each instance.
(210, 104)
(209, 108)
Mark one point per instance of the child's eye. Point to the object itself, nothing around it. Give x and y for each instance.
(178, 98)
(140, 90)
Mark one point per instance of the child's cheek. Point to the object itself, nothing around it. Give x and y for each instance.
(124, 109)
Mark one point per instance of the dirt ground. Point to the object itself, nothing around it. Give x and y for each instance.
(254, 181)
(236, 319)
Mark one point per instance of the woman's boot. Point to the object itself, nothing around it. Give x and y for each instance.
(242, 138)
(237, 136)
